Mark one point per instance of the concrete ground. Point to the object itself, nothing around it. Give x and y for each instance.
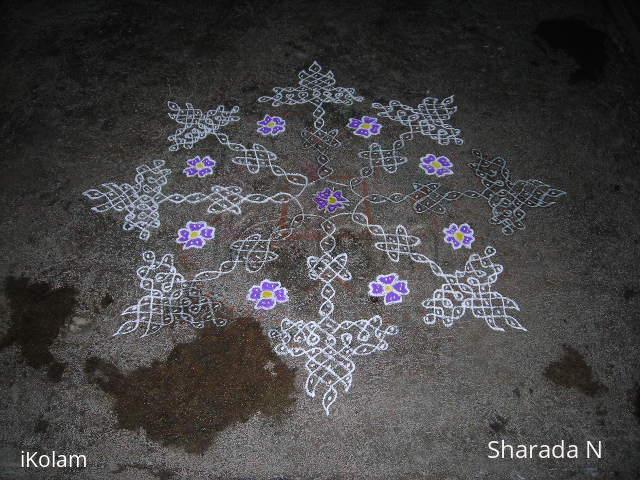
(550, 88)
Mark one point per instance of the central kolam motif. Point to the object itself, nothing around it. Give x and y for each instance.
(329, 348)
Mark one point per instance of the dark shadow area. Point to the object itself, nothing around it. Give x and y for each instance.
(571, 371)
(38, 311)
(223, 377)
(584, 44)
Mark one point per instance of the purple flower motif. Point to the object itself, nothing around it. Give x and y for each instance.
(461, 236)
(365, 126)
(440, 166)
(195, 235)
(329, 200)
(390, 287)
(199, 167)
(267, 295)
(271, 126)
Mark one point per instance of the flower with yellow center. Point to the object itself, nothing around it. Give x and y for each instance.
(267, 295)
(459, 236)
(390, 287)
(439, 166)
(195, 235)
(365, 126)
(271, 126)
(199, 167)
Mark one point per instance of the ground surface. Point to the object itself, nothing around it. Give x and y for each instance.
(84, 101)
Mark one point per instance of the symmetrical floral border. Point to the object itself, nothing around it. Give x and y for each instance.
(330, 348)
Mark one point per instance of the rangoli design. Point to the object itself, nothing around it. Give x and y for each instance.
(331, 345)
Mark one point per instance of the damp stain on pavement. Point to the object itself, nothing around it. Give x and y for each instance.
(571, 371)
(223, 377)
(106, 300)
(636, 402)
(498, 424)
(38, 311)
(584, 44)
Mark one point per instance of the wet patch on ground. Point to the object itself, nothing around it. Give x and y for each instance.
(106, 300)
(41, 426)
(38, 311)
(571, 371)
(292, 265)
(223, 377)
(636, 402)
(584, 44)
(160, 474)
(628, 293)
(358, 244)
(498, 424)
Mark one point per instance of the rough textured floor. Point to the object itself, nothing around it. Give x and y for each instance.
(551, 89)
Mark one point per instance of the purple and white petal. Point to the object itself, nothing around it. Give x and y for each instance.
(445, 162)
(401, 287)
(265, 304)
(339, 196)
(208, 232)
(388, 279)
(455, 243)
(183, 235)
(392, 297)
(453, 228)
(194, 243)
(281, 295)
(268, 285)
(254, 294)
(376, 289)
(354, 123)
(322, 204)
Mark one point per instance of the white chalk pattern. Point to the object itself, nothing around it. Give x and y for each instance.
(330, 347)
